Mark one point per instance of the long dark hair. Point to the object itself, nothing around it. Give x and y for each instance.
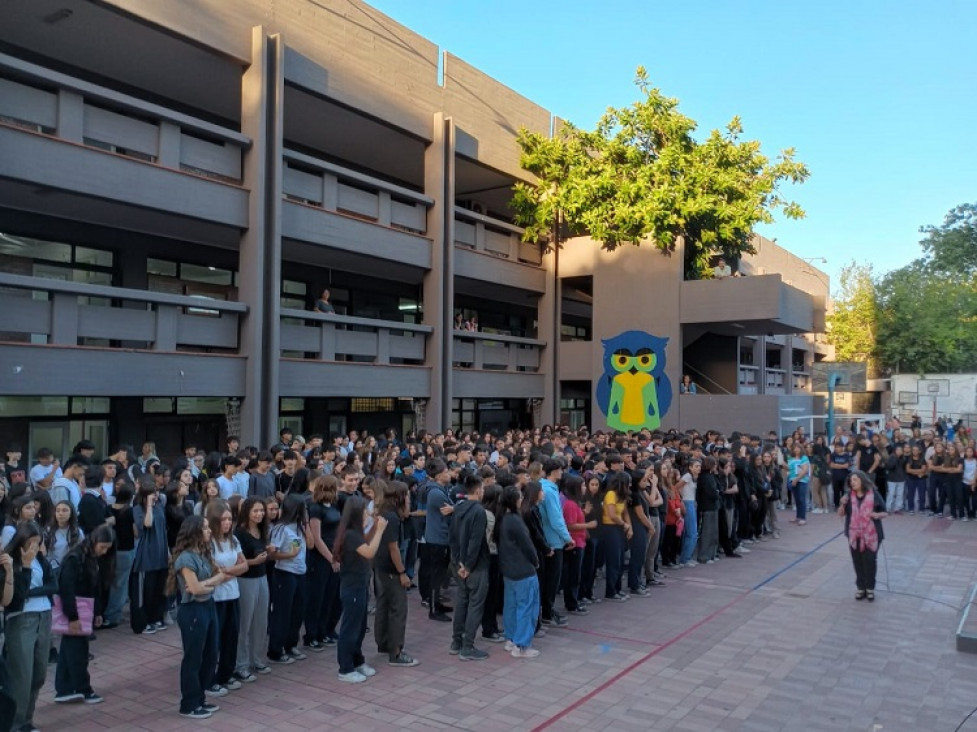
(393, 498)
(73, 536)
(190, 538)
(530, 494)
(244, 517)
(572, 487)
(104, 565)
(215, 511)
(294, 511)
(26, 531)
(352, 520)
(508, 503)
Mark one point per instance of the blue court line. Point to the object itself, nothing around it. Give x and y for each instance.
(797, 561)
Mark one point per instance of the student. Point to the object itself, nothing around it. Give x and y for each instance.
(639, 518)
(470, 560)
(438, 507)
(262, 479)
(593, 511)
(863, 508)
(28, 622)
(92, 511)
(390, 577)
(252, 534)
(571, 486)
(147, 583)
(46, 471)
(291, 536)
(354, 554)
(491, 498)
(125, 552)
(518, 561)
(226, 551)
(322, 608)
(194, 574)
(209, 492)
(799, 469)
(615, 532)
(557, 538)
(229, 467)
(79, 577)
(690, 534)
(63, 534)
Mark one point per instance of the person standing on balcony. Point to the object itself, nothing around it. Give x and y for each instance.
(322, 305)
(687, 386)
(721, 271)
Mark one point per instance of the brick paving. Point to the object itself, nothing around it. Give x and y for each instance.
(721, 647)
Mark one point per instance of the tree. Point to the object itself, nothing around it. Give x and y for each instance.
(853, 324)
(641, 175)
(952, 247)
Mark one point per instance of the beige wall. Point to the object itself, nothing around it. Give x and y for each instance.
(772, 258)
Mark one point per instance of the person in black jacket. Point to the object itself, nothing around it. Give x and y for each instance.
(92, 510)
(79, 577)
(28, 616)
(518, 562)
(707, 502)
(470, 560)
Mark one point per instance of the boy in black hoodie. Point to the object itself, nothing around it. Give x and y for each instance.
(470, 558)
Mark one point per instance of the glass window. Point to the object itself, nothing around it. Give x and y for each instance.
(94, 257)
(90, 405)
(291, 404)
(33, 406)
(207, 275)
(158, 405)
(292, 287)
(200, 405)
(161, 267)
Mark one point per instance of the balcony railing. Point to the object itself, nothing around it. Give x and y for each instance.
(48, 102)
(493, 352)
(493, 236)
(337, 189)
(802, 381)
(151, 320)
(748, 380)
(330, 337)
(775, 381)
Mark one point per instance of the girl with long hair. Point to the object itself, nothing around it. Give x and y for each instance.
(615, 532)
(354, 555)
(147, 584)
(210, 492)
(322, 607)
(690, 536)
(639, 513)
(79, 577)
(390, 576)
(178, 507)
(195, 575)
(518, 562)
(22, 508)
(125, 551)
(571, 486)
(291, 536)
(863, 508)
(252, 535)
(491, 500)
(953, 476)
(226, 551)
(674, 528)
(592, 510)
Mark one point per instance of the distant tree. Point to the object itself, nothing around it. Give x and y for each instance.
(641, 175)
(853, 324)
(952, 247)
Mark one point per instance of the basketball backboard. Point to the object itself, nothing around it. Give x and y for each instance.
(852, 376)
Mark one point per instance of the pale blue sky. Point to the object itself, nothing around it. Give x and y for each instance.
(878, 97)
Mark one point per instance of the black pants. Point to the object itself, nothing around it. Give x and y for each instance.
(572, 564)
(493, 601)
(147, 598)
(390, 620)
(552, 573)
(434, 571)
(228, 626)
(954, 491)
(588, 570)
(287, 611)
(837, 490)
(671, 544)
(725, 533)
(71, 676)
(865, 566)
(315, 596)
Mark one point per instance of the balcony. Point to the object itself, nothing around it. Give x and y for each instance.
(757, 305)
(749, 379)
(493, 365)
(801, 380)
(133, 343)
(492, 250)
(63, 133)
(337, 207)
(775, 381)
(343, 356)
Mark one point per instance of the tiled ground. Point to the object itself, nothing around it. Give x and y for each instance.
(773, 641)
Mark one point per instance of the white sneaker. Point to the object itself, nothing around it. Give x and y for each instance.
(743, 549)
(524, 653)
(353, 677)
(509, 646)
(366, 670)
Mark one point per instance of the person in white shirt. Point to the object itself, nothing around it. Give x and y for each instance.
(66, 486)
(47, 469)
(225, 481)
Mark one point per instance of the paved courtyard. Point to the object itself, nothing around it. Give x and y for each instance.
(773, 641)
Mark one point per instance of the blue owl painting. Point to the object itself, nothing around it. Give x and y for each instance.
(634, 391)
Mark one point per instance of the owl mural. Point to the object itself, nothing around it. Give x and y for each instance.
(634, 391)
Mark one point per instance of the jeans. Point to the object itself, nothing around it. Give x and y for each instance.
(253, 606)
(838, 489)
(895, 500)
(287, 610)
(119, 590)
(638, 545)
(690, 536)
(390, 619)
(800, 498)
(916, 494)
(28, 643)
(612, 540)
(521, 607)
(71, 675)
(954, 491)
(552, 573)
(198, 629)
(228, 628)
(469, 603)
(352, 629)
(709, 539)
(572, 563)
(936, 492)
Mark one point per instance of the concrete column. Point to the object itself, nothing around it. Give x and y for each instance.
(548, 317)
(439, 286)
(262, 94)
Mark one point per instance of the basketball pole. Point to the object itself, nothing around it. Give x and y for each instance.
(833, 378)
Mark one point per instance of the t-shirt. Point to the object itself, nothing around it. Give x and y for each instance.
(391, 533)
(252, 546)
(41, 472)
(687, 487)
(200, 567)
(152, 552)
(842, 458)
(619, 504)
(225, 556)
(226, 486)
(286, 537)
(125, 535)
(262, 485)
(353, 568)
(573, 514)
(796, 465)
(867, 455)
(329, 518)
(60, 547)
(41, 603)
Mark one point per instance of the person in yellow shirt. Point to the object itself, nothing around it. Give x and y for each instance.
(615, 531)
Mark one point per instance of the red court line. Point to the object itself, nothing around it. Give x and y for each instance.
(651, 654)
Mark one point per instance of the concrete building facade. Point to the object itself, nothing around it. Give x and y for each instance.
(179, 182)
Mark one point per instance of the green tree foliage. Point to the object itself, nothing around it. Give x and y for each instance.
(853, 325)
(952, 247)
(641, 175)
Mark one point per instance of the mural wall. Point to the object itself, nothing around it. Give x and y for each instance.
(634, 392)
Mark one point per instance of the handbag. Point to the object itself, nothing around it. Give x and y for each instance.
(679, 527)
(86, 615)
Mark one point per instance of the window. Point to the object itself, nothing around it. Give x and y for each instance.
(358, 404)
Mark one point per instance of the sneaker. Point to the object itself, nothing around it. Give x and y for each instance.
(691, 563)
(493, 637)
(524, 653)
(509, 646)
(261, 670)
(198, 713)
(329, 641)
(455, 648)
(743, 550)
(547, 621)
(108, 626)
(541, 633)
(655, 582)
(402, 660)
(472, 654)
(560, 621)
(68, 698)
(149, 630)
(440, 617)
(284, 659)
(314, 646)
(92, 698)
(207, 707)
(619, 597)
(640, 592)
(710, 561)
(296, 654)
(161, 625)
(232, 684)
(216, 690)
(580, 611)
(870, 595)
(366, 670)
(353, 677)
(247, 677)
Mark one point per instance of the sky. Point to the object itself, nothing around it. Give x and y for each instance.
(876, 96)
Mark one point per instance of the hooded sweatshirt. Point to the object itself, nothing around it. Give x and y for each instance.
(469, 547)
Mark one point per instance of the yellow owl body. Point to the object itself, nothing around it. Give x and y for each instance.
(633, 400)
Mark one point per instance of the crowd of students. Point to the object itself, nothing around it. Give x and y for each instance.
(262, 557)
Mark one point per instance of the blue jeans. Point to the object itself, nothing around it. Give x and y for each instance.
(352, 627)
(520, 609)
(800, 500)
(198, 629)
(690, 535)
(119, 591)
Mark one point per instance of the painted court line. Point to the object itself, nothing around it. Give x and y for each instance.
(675, 639)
